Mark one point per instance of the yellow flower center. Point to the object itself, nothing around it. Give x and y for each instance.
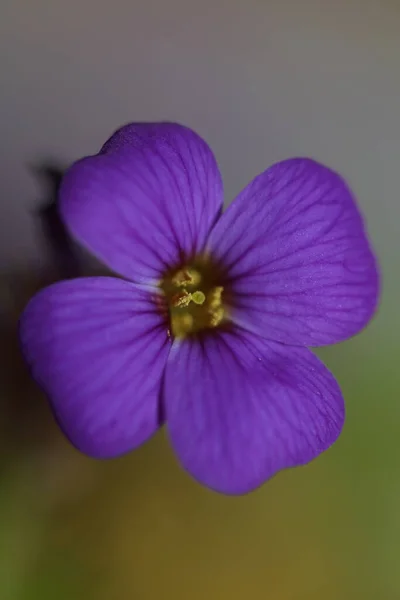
(194, 299)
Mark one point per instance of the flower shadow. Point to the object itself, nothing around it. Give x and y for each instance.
(26, 423)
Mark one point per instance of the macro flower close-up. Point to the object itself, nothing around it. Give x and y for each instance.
(207, 324)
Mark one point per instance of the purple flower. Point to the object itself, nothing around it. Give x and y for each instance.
(208, 328)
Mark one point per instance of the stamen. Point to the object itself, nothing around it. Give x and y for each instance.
(216, 317)
(186, 277)
(184, 298)
(216, 297)
(191, 309)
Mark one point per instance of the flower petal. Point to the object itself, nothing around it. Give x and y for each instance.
(297, 252)
(148, 198)
(98, 348)
(240, 408)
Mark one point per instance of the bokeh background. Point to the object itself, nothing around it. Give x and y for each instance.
(261, 80)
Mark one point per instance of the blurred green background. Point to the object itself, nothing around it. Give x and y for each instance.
(260, 80)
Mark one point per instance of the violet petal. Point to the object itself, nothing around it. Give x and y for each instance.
(98, 349)
(297, 251)
(146, 200)
(240, 408)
